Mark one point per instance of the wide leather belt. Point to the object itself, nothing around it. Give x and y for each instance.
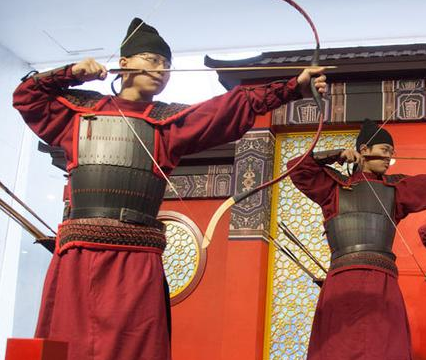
(108, 232)
(122, 214)
(377, 260)
(361, 247)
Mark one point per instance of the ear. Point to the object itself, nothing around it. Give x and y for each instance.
(123, 62)
(363, 149)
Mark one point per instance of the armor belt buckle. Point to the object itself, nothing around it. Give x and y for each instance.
(132, 216)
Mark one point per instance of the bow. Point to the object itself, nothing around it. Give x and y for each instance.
(239, 197)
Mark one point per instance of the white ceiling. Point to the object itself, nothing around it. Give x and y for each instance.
(201, 26)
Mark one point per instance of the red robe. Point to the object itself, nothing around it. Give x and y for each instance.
(360, 312)
(109, 304)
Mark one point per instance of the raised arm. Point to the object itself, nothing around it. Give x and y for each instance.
(312, 180)
(36, 99)
(227, 117)
(410, 196)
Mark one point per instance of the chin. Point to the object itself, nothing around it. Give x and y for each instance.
(151, 89)
(380, 171)
(155, 90)
(150, 92)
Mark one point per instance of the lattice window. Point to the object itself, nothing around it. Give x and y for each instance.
(184, 260)
(292, 295)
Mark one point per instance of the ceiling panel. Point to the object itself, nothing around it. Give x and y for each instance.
(50, 31)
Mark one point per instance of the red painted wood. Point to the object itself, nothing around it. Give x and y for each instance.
(410, 141)
(223, 319)
(36, 349)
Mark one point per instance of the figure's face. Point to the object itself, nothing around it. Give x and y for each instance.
(147, 84)
(378, 166)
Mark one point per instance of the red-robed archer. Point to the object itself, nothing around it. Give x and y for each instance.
(105, 291)
(360, 312)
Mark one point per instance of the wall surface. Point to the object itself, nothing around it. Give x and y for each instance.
(410, 141)
(11, 169)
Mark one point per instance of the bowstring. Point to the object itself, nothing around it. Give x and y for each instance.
(378, 197)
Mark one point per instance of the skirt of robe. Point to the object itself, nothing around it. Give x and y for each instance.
(360, 315)
(108, 305)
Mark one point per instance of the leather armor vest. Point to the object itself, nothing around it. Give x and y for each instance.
(362, 223)
(113, 177)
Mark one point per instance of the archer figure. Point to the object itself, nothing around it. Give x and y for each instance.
(105, 291)
(360, 312)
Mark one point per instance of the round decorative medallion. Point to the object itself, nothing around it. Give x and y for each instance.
(184, 260)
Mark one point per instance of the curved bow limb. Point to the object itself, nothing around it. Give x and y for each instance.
(239, 197)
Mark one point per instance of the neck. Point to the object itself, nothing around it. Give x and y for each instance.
(133, 94)
(366, 169)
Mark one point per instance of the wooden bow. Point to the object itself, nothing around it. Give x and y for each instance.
(241, 196)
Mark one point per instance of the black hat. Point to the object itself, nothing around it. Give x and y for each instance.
(370, 134)
(141, 38)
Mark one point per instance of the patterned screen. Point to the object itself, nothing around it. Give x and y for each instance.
(292, 294)
(183, 259)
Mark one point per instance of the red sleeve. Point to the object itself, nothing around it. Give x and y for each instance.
(222, 119)
(311, 179)
(35, 99)
(410, 196)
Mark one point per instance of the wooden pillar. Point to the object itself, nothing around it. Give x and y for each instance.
(247, 260)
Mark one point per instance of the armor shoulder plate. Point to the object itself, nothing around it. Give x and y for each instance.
(82, 98)
(393, 179)
(163, 111)
(336, 175)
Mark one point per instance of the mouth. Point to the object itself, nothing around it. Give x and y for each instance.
(156, 79)
(151, 75)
